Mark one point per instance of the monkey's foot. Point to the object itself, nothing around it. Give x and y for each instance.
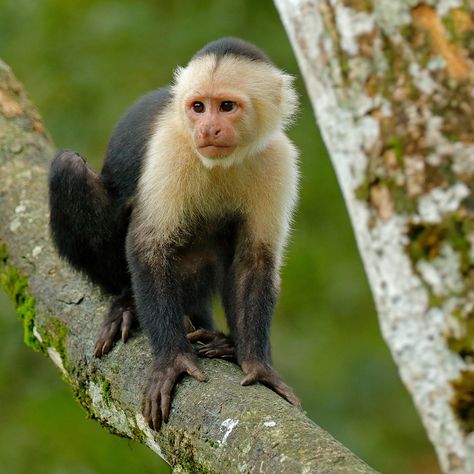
(118, 323)
(162, 379)
(260, 372)
(215, 344)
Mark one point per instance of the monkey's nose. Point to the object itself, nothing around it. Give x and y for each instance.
(214, 131)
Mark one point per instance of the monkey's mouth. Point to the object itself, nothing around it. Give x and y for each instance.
(216, 151)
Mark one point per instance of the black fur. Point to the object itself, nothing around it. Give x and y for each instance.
(127, 145)
(93, 226)
(86, 225)
(178, 281)
(89, 213)
(250, 295)
(235, 47)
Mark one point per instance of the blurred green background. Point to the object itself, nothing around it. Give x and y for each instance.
(83, 63)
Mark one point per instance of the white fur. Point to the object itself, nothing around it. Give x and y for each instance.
(258, 180)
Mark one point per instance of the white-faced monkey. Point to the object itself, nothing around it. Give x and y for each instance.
(195, 198)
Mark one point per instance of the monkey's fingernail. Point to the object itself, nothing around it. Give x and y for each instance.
(249, 380)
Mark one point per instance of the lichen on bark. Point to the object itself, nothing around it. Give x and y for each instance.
(392, 84)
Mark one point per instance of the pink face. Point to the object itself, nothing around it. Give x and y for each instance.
(215, 120)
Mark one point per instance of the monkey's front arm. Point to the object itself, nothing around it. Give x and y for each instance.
(250, 294)
(159, 305)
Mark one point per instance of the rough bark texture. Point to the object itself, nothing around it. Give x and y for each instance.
(392, 86)
(216, 426)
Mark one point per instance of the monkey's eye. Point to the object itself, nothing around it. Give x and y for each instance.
(227, 106)
(198, 107)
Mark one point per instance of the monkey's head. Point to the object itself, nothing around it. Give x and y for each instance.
(232, 100)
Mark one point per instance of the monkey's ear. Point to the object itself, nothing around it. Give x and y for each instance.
(289, 99)
(178, 72)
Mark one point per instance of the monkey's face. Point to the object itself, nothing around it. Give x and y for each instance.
(215, 121)
(231, 106)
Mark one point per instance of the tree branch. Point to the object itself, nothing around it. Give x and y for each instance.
(216, 426)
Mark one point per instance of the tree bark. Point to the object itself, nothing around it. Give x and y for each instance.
(217, 426)
(392, 86)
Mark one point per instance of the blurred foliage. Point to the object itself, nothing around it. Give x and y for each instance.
(84, 63)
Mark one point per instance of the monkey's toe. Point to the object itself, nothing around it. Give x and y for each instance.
(215, 344)
(118, 324)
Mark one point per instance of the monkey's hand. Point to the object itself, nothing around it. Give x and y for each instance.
(118, 322)
(256, 371)
(216, 344)
(161, 381)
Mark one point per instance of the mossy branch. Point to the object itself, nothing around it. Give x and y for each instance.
(216, 426)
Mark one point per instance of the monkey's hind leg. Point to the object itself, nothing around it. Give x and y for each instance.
(199, 325)
(86, 225)
(88, 230)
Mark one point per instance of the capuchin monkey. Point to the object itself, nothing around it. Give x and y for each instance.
(195, 198)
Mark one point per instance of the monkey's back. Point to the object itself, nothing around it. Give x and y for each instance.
(127, 145)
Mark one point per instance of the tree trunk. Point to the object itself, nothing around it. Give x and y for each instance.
(214, 427)
(392, 87)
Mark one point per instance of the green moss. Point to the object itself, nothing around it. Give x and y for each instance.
(15, 285)
(426, 240)
(106, 391)
(359, 5)
(463, 400)
(396, 145)
(54, 335)
(115, 368)
(3, 253)
(362, 192)
(183, 453)
(212, 443)
(137, 433)
(458, 27)
(404, 204)
(80, 386)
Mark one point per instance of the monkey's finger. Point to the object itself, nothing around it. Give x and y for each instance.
(250, 379)
(189, 326)
(127, 323)
(207, 353)
(111, 329)
(191, 368)
(155, 411)
(213, 346)
(107, 337)
(98, 349)
(225, 351)
(107, 346)
(166, 399)
(289, 396)
(100, 346)
(203, 335)
(280, 387)
(146, 408)
(294, 400)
